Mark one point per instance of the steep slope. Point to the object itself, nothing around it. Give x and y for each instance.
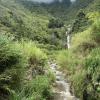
(76, 7)
(25, 26)
(81, 62)
(94, 6)
(20, 21)
(25, 19)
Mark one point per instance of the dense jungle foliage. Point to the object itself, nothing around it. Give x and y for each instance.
(32, 33)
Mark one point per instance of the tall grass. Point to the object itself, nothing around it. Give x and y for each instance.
(33, 53)
(12, 65)
(83, 42)
(96, 31)
(37, 89)
(82, 61)
(16, 59)
(67, 60)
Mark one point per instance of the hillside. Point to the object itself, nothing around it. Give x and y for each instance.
(39, 38)
(25, 19)
(81, 61)
(20, 21)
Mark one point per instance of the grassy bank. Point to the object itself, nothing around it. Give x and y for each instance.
(81, 62)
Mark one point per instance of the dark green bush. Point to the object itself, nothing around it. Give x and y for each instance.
(37, 89)
(55, 23)
(81, 22)
(67, 61)
(96, 31)
(10, 55)
(92, 67)
(12, 64)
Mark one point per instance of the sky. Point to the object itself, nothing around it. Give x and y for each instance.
(47, 1)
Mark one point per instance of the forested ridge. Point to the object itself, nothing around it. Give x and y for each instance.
(34, 36)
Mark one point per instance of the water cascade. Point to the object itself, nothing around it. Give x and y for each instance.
(62, 86)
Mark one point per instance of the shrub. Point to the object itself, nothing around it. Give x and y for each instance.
(37, 89)
(12, 64)
(78, 83)
(67, 60)
(81, 23)
(83, 43)
(16, 58)
(55, 23)
(92, 66)
(35, 56)
(96, 30)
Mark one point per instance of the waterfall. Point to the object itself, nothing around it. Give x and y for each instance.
(68, 41)
(68, 35)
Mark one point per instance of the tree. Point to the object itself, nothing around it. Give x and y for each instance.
(55, 23)
(81, 22)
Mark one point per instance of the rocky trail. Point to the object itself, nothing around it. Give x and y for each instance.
(62, 86)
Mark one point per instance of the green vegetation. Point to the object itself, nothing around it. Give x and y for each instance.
(38, 88)
(55, 23)
(81, 62)
(12, 63)
(32, 33)
(22, 71)
(17, 19)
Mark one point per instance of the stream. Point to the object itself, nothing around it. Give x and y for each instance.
(62, 87)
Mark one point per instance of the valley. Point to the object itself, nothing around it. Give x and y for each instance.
(49, 50)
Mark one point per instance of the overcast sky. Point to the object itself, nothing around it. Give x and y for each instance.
(46, 1)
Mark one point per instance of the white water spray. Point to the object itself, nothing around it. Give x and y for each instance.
(68, 35)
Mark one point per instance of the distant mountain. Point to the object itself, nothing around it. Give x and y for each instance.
(27, 19)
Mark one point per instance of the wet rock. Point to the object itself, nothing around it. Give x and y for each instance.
(61, 87)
